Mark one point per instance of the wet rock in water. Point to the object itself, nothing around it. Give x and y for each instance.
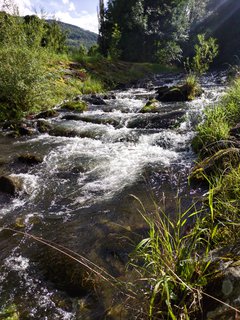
(235, 131)
(225, 286)
(25, 131)
(47, 114)
(19, 128)
(43, 126)
(94, 99)
(74, 117)
(151, 106)
(160, 121)
(90, 119)
(64, 273)
(61, 131)
(176, 93)
(30, 159)
(78, 106)
(10, 185)
(219, 161)
(10, 125)
(64, 132)
(109, 96)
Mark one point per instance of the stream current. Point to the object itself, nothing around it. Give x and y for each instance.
(80, 197)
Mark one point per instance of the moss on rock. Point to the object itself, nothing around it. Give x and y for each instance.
(78, 106)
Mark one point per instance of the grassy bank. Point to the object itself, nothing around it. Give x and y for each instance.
(174, 262)
(52, 78)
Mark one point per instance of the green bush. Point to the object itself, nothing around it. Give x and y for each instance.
(21, 77)
(206, 51)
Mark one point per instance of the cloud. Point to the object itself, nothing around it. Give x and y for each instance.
(85, 20)
(71, 7)
(24, 6)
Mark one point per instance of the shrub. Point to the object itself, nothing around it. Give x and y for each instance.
(21, 74)
(206, 51)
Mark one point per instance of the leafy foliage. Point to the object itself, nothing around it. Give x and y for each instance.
(150, 30)
(19, 82)
(205, 52)
(26, 45)
(114, 50)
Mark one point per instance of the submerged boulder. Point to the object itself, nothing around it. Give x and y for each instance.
(10, 184)
(30, 159)
(94, 99)
(92, 119)
(156, 121)
(43, 126)
(179, 93)
(61, 131)
(151, 106)
(47, 114)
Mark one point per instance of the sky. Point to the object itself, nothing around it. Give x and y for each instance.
(82, 13)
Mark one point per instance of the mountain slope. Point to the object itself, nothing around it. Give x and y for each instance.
(77, 35)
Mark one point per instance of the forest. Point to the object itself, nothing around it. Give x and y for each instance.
(166, 31)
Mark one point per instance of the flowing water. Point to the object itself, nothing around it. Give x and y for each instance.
(80, 197)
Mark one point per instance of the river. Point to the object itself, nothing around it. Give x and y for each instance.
(80, 197)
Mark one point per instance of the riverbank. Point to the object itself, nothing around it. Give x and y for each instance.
(190, 263)
(59, 78)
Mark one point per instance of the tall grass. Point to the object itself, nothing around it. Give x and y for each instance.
(218, 119)
(215, 127)
(226, 194)
(192, 86)
(173, 263)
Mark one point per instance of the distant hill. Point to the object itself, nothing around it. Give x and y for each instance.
(77, 35)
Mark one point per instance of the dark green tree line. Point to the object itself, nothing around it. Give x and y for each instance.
(150, 30)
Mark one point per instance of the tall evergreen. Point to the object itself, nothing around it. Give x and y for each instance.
(151, 30)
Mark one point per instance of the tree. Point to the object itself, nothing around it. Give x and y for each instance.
(114, 51)
(54, 38)
(150, 29)
(206, 51)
